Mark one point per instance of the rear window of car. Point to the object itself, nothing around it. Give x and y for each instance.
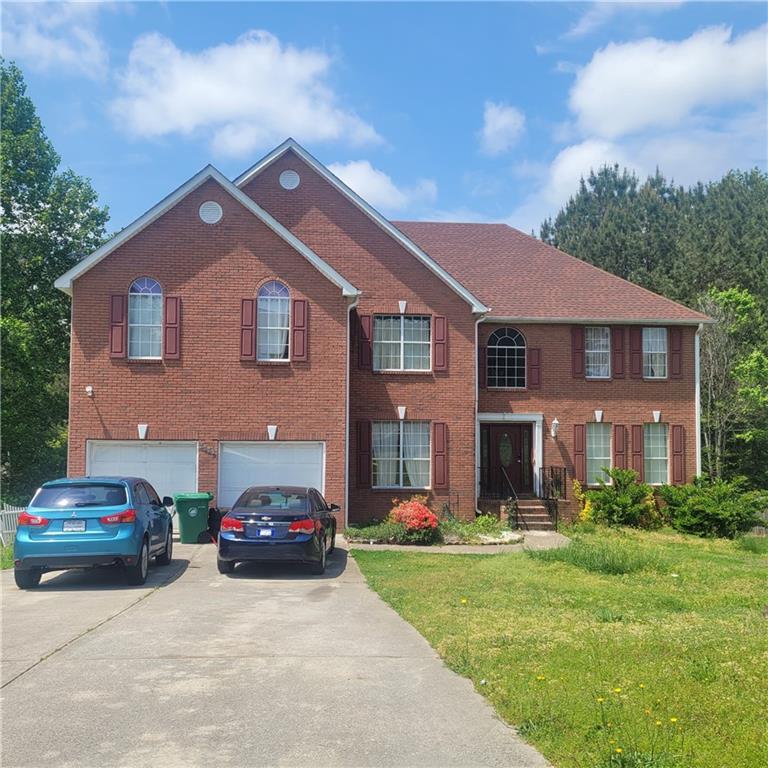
(273, 501)
(80, 495)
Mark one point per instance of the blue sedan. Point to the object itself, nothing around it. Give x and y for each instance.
(272, 523)
(93, 521)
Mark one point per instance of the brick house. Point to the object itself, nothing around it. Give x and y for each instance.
(279, 329)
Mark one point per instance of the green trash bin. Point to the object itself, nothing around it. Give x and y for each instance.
(192, 509)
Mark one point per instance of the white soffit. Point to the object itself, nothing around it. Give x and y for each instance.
(290, 144)
(64, 283)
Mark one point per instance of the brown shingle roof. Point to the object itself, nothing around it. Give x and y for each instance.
(518, 276)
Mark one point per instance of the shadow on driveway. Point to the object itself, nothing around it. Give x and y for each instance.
(335, 566)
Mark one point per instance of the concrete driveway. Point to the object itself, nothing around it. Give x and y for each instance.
(267, 667)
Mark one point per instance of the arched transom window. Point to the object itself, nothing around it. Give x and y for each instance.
(506, 358)
(273, 322)
(145, 319)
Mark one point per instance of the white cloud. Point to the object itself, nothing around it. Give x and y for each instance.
(378, 189)
(656, 83)
(246, 95)
(502, 127)
(55, 36)
(600, 13)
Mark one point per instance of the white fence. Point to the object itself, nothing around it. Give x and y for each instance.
(9, 517)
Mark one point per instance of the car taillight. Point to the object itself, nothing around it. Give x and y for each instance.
(32, 520)
(232, 524)
(302, 526)
(126, 516)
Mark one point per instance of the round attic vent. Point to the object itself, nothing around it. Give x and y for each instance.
(210, 212)
(289, 179)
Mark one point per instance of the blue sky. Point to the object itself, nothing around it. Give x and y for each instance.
(455, 111)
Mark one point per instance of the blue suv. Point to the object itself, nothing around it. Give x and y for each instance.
(82, 522)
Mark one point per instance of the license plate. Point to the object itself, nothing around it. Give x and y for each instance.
(265, 532)
(258, 532)
(73, 526)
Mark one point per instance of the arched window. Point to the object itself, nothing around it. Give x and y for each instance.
(506, 358)
(273, 323)
(145, 319)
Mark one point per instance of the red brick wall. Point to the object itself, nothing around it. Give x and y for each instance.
(574, 400)
(386, 274)
(209, 394)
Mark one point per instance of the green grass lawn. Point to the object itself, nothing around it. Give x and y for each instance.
(637, 650)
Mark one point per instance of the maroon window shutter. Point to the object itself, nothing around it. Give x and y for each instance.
(678, 454)
(171, 325)
(675, 353)
(118, 325)
(617, 353)
(299, 328)
(364, 348)
(637, 451)
(579, 452)
(439, 455)
(439, 343)
(534, 368)
(482, 367)
(619, 446)
(364, 429)
(248, 329)
(636, 352)
(577, 352)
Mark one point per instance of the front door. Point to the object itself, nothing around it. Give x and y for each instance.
(507, 448)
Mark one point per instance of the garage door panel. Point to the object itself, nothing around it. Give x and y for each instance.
(170, 467)
(243, 464)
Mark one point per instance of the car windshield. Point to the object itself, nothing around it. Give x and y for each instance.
(273, 501)
(79, 495)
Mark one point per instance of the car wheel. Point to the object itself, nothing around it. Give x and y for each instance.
(137, 574)
(27, 579)
(318, 568)
(225, 566)
(333, 540)
(167, 556)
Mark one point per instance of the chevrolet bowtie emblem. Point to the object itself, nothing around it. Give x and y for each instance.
(266, 518)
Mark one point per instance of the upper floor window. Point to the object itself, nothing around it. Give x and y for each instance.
(597, 352)
(506, 358)
(402, 343)
(598, 451)
(273, 323)
(656, 453)
(145, 319)
(401, 454)
(654, 353)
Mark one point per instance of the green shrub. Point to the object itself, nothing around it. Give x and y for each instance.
(758, 545)
(624, 501)
(609, 557)
(392, 533)
(713, 507)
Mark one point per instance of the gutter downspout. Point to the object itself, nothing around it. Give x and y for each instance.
(697, 385)
(352, 304)
(479, 320)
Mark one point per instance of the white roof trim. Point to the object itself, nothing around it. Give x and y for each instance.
(368, 210)
(64, 283)
(594, 320)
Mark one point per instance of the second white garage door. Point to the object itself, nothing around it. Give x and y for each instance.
(244, 464)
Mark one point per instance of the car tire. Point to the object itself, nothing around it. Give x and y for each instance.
(332, 548)
(167, 555)
(26, 579)
(318, 568)
(137, 574)
(225, 566)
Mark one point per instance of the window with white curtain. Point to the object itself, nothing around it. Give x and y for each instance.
(274, 321)
(598, 452)
(656, 453)
(655, 353)
(145, 319)
(401, 454)
(402, 343)
(597, 352)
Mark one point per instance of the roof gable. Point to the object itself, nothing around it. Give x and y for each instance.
(64, 282)
(387, 226)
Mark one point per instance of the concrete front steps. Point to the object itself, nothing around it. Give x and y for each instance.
(532, 514)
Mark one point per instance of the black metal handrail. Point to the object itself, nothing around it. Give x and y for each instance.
(513, 507)
(553, 486)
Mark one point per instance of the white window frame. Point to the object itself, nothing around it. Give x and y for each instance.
(401, 458)
(402, 368)
(648, 352)
(587, 351)
(646, 442)
(488, 356)
(142, 296)
(591, 425)
(265, 328)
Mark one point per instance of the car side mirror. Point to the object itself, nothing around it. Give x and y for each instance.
(167, 501)
(335, 508)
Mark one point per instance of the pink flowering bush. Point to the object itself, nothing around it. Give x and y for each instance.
(420, 524)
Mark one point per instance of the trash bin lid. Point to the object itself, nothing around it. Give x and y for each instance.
(203, 496)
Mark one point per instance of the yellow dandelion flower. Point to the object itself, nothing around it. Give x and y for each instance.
(464, 600)
(617, 690)
(658, 722)
(672, 719)
(600, 699)
(642, 685)
(619, 750)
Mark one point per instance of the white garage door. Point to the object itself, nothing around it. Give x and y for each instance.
(169, 465)
(244, 464)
